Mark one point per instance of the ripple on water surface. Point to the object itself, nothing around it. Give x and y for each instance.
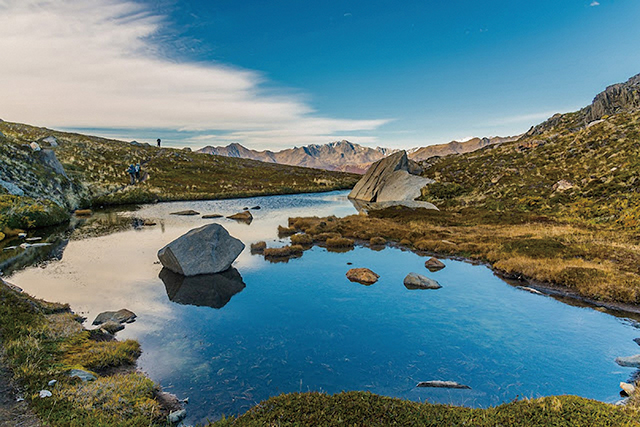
(230, 341)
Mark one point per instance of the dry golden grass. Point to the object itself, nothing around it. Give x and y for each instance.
(595, 262)
(283, 252)
(301, 239)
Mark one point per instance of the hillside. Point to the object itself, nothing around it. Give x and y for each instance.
(576, 166)
(456, 147)
(75, 170)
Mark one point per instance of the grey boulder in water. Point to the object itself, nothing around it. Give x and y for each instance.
(442, 384)
(629, 362)
(206, 250)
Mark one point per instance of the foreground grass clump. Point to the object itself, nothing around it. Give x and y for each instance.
(26, 212)
(283, 252)
(43, 341)
(366, 409)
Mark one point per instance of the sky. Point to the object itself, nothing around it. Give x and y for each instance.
(282, 73)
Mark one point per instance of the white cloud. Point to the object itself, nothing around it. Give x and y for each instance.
(533, 118)
(594, 3)
(91, 64)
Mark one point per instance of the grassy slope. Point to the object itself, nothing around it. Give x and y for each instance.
(173, 174)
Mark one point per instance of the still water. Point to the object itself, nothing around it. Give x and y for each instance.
(271, 328)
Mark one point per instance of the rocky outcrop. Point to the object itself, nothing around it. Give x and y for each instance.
(418, 281)
(363, 276)
(389, 180)
(205, 250)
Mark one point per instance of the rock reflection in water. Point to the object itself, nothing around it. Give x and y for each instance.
(211, 290)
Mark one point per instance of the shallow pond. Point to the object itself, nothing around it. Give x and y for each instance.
(298, 326)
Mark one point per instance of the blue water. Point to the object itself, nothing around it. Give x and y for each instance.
(301, 325)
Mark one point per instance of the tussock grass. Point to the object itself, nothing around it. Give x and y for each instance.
(284, 252)
(339, 242)
(301, 239)
(366, 409)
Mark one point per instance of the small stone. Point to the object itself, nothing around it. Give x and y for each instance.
(562, 185)
(636, 340)
(212, 216)
(177, 416)
(256, 208)
(33, 239)
(242, 216)
(418, 281)
(45, 393)
(52, 383)
(83, 212)
(120, 316)
(35, 146)
(187, 212)
(83, 375)
(245, 208)
(628, 388)
(363, 276)
(442, 384)
(434, 264)
(149, 223)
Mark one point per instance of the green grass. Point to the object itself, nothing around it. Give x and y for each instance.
(366, 409)
(42, 341)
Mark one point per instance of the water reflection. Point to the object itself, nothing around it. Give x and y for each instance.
(210, 290)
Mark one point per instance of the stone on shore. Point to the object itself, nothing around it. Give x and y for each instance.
(205, 250)
(442, 384)
(628, 388)
(188, 212)
(120, 316)
(212, 216)
(363, 276)
(629, 362)
(434, 264)
(418, 281)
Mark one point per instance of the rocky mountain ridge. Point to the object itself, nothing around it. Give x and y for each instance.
(348, 156)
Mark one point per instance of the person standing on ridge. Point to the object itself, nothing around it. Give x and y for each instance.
(158, 142)
(137, 169)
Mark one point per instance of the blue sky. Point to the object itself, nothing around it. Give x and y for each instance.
(274, 74)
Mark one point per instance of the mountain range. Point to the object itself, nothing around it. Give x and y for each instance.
(347, 156)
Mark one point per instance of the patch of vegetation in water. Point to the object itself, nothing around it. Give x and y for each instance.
(19, 212)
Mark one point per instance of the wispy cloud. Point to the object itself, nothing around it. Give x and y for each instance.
(91, 64)
(532, 118)
(594, 3)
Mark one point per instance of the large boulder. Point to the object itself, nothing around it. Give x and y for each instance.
(205, 250)
(389, 180)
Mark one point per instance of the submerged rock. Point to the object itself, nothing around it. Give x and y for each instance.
(434, 264)
(418, 281)
(120, 316)
(442, 384)
(205, 250)
(629, 362)
(363, 276)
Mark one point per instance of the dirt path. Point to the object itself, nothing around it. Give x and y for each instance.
(12, 412)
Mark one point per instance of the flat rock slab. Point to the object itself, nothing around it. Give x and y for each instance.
(418, 281)
(205, 250)
(442, 384)
(112, 327)
(434, 264)
(363, 276)
(120, 316)
(187, 212)
(629, 362)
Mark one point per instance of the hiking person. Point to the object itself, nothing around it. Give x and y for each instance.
(132, 173)
(137, 169)
(158, 142)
